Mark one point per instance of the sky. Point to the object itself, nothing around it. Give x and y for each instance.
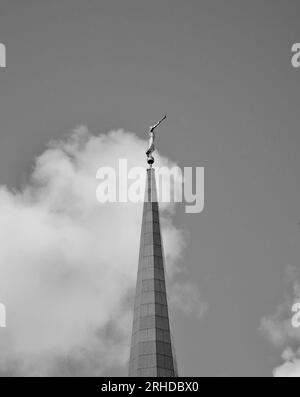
(222, 72)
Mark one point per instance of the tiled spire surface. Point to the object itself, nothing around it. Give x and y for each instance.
(152, 353)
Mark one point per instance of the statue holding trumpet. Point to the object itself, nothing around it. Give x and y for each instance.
(151, 147)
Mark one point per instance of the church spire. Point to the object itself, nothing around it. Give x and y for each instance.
(152, 353)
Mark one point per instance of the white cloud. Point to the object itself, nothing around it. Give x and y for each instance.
(291, 366)
(68, 264)
(279, 329)
(187, 298)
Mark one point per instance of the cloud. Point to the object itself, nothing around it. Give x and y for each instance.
(279, 329)
(291, 366)
(68, 263)
(186, 297)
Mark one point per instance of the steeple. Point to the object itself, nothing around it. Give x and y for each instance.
(152, 353)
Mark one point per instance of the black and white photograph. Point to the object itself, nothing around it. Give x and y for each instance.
(149, 191)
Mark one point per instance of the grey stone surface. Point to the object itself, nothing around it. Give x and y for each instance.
(152, 352)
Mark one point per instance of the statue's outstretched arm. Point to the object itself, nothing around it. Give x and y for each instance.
(157, 124)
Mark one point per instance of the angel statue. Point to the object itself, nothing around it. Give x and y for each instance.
(151, 147)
